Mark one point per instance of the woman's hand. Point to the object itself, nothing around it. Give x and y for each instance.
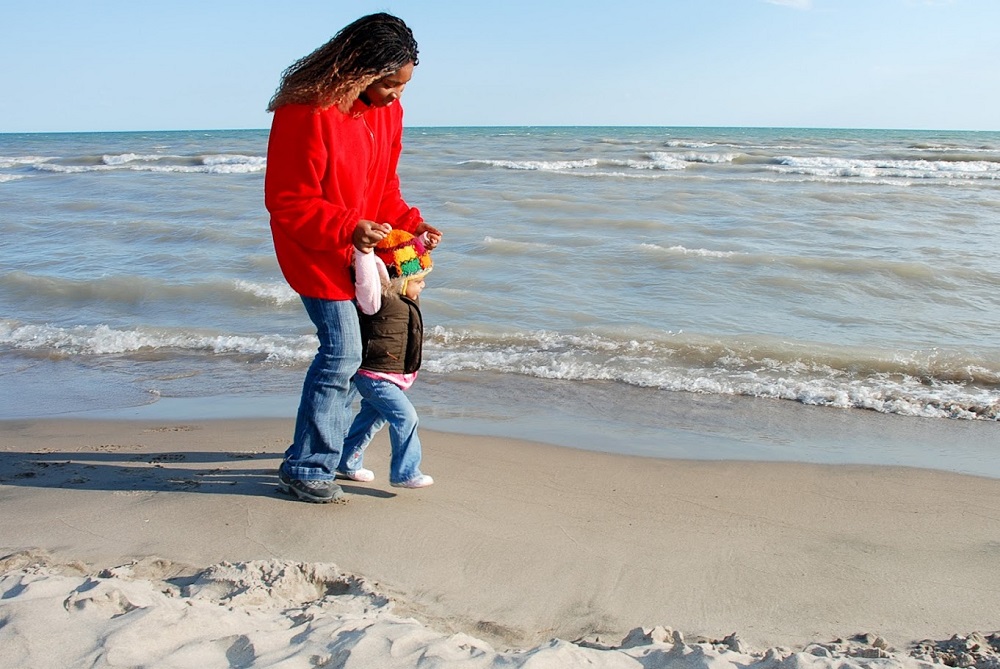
(369, 233)
(433, 234)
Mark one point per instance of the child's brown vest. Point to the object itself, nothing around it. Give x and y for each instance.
(392, 339)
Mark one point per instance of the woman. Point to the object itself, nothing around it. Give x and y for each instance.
(330, 187)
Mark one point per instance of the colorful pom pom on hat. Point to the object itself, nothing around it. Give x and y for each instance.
(404, 255)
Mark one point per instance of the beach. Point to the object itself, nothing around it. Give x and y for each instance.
(695, 398)
(165, 543)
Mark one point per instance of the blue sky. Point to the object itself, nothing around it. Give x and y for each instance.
(104, 65)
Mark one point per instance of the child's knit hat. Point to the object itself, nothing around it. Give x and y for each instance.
(404, 255)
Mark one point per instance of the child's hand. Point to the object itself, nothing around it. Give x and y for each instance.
(433, 235)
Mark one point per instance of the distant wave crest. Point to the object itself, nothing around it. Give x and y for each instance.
(883, 168)
(534, 165)
(653, 160)
(206, 164)
(130, 289)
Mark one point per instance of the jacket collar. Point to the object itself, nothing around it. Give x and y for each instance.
(358, 109)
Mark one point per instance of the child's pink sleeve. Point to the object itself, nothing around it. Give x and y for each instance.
(367, 281)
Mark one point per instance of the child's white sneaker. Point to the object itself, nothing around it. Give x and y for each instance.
(361, 475)
(421, 481)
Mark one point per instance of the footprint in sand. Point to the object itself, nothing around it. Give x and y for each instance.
(114, 448)
(167, 457)
(172, 428)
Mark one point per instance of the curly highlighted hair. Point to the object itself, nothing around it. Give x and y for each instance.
(338, 72)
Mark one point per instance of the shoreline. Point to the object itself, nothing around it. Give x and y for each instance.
(520, 542)
(620, 419)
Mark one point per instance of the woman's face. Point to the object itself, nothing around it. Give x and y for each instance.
(389, 88)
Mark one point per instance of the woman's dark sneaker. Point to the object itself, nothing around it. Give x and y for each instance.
(320, 492)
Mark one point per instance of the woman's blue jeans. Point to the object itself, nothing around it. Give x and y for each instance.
(384, 402)
(327, 393)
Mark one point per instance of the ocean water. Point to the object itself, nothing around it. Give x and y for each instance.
(591, 280)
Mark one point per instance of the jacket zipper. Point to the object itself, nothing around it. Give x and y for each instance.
(371, 136)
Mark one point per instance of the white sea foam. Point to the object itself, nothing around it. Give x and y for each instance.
(703, 253)
(961, 389)
(589, 168)
(74, 169)
(833, 181)
(908, 396)
(511, 246)
(711, 158)
(278, 293)
(102, 340)
(906, 169)
(659, 160)
(695, 365)
(235, 163)
(209, 164)
(954, 148)
(125, 158)
(649, 174)
(542, 165)
(17, 161)
(927, 385)
(684, 144)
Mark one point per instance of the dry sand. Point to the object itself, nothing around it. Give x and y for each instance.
(517, 546)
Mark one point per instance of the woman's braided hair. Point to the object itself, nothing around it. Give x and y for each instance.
(338, 72)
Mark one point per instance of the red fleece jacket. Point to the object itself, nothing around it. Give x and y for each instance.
(326, 170)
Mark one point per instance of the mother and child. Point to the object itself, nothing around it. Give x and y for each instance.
(347, 241)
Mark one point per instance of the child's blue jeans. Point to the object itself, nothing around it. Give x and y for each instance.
(383, 402)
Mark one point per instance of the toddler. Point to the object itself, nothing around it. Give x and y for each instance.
(388, 284)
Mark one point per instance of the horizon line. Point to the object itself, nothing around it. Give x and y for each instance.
(523, 126)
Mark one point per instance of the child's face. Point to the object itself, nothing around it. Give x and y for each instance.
(414, 287)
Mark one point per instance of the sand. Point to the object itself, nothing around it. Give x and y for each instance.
(165, 543)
